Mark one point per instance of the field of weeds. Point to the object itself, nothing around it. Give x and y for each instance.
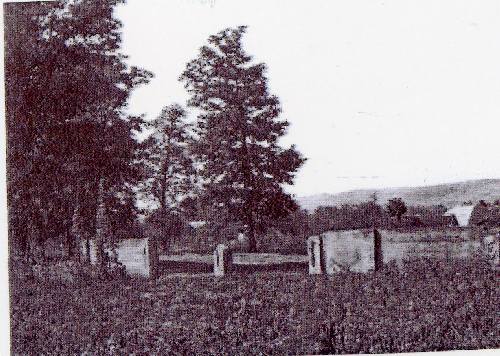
(427, 305)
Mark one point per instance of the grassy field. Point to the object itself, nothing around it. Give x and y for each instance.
(427, 305)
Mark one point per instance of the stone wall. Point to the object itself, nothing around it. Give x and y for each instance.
(132, 253)
(353, 250)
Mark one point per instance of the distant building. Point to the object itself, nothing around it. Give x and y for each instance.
(462, 214)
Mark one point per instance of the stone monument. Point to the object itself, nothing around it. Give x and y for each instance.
(223, 260)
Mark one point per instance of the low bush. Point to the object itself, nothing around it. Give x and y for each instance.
(283, 243)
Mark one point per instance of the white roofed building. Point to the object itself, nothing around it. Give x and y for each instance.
(462, 213)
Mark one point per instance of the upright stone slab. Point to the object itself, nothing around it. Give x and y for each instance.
(347, 250)
(222, 260)
(89, 250)
(315, 252)
(153, 257)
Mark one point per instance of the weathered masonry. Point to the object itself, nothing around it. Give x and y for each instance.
(367, 250)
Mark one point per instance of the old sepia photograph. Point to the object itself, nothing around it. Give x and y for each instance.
(236, 177)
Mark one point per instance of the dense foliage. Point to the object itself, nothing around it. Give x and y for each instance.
(396, 207)
(369, 214)
(426, 306)
(166, 154)
(242, 163)
(288, 234)
(67, 86)
(486, 214)
(74, 165)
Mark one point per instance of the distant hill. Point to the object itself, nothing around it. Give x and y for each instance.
(446, 194)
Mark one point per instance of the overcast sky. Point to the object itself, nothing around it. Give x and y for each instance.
(378, 93)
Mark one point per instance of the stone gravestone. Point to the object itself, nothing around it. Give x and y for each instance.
(223, 260)
(347, 250)
(153, 257)
(315, 253)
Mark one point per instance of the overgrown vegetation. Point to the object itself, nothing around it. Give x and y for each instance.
(75, 167)
(426, 306)
(288, 234)
(68, 132)
(486, 214)
(226, 168)
(241, 161)
(369, 214)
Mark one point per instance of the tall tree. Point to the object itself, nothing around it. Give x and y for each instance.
(67, 86)
(243, 166)
(396, 207)
(167, 156)
(169, 172)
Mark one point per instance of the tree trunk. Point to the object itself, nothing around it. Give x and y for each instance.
(69, 242)
(74, 236)
(152, 247)
(378, 253)
(101, 228)
(40, 243)
(164, 175)
(163, 186)
(165, 240)
(252, 243)
(248, 186)
(23, 242)
(87, 249)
